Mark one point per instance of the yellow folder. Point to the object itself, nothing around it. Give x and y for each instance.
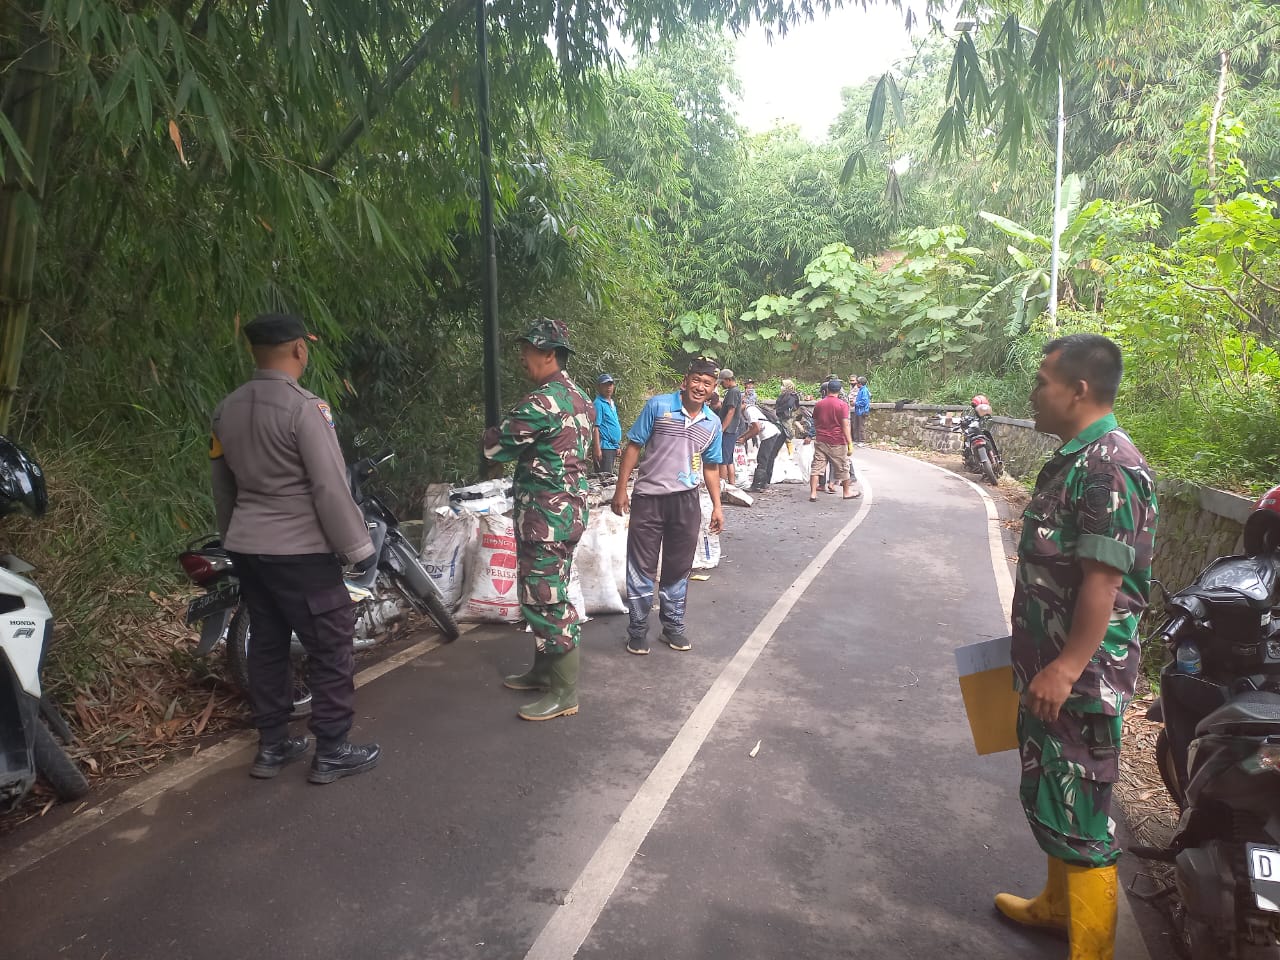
(986, 684)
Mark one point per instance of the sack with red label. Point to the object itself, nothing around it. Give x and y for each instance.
(491, 595)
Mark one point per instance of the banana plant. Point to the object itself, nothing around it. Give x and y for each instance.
(1089, 235)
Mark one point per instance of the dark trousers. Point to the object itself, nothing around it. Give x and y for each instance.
(666, 524)
(764, 463)
(303, 595)
(860, 427)
(607, 459)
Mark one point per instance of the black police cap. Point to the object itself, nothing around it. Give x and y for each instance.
(268, 329)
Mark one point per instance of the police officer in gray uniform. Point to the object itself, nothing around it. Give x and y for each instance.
(287, 518)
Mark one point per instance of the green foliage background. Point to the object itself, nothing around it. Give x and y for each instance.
(202, 172)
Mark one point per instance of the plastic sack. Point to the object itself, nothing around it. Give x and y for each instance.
(576, 598)
(447, 550)
(613, 537)
(595, 559)
(787, 469)
(804, 456)
(489, 496)
(706, 554)
(491, 595)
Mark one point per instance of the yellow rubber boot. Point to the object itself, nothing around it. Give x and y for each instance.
(1091, 892)
(1048, 910)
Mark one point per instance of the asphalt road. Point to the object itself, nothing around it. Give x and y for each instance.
(865, 827)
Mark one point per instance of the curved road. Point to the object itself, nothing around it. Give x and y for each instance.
(865, 827)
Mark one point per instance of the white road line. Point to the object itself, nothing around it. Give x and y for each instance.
(86, 821)
(570, 925)
(995, 540)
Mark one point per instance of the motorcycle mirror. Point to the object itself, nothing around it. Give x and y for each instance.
(362, 438)
(1164, 594)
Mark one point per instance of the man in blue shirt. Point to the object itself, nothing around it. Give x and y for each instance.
(861, 410)
(606, 437)
(681, 440)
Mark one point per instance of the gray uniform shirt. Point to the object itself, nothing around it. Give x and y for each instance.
(279, 481)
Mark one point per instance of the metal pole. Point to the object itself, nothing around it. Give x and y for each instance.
(1057, 212)
(492, 388)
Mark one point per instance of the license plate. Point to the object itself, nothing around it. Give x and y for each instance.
(201, 608)
(1264, 871)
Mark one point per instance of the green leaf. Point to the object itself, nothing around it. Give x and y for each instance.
(142, 91)
(895, 98)
(1020, 258)
(855, 165)
(875, 112)
(14, 143)
(1014, 229)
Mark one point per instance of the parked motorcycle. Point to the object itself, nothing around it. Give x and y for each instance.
(1219, 751)
(28, 720)
(981, 455)
(397, 575)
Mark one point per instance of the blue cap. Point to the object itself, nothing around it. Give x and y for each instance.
(604, 378)
(834, 386)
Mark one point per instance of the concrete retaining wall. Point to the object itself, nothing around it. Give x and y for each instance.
(1197, 524)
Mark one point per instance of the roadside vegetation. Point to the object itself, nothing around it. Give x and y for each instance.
(175, 169)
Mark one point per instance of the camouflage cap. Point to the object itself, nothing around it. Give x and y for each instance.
(547, 334)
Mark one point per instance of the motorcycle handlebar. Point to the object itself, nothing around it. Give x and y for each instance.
(1173, 629)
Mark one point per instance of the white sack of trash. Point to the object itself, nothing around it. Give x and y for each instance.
(470, 553)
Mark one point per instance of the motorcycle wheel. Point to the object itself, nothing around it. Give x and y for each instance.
(238, 664)
(432, 605)
(442, 617)
(984, 462)
(1164, 763)
(58, 769)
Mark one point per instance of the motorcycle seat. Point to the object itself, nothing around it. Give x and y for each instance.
(1244, 710)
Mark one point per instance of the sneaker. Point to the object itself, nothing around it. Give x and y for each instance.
(345, 760)
(272, 757)
(638, 645)
(676, 641)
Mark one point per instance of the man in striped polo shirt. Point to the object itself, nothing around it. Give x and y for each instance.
(680, 437)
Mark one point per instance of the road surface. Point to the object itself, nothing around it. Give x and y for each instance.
(865, 827)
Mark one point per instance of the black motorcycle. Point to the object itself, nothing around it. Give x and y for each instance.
(397, 573)
(1219, 756)
(981, 455)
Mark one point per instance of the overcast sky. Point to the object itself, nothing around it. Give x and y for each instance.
(797, 79)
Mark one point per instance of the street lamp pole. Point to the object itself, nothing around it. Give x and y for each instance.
(1057, 208)
(488, 245)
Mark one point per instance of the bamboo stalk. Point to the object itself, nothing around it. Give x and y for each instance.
(1213, 125)
(30, 101)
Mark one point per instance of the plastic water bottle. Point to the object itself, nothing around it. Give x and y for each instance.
(1189, 658)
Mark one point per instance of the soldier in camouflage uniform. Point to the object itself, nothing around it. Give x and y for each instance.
(548, 434)
(1084, 574)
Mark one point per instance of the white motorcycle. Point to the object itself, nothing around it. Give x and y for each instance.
(28, 720)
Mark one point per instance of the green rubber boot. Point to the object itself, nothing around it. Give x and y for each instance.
(562, 697)
(538, 676)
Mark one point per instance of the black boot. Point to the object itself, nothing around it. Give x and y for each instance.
(344, 760)
(272, 756)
